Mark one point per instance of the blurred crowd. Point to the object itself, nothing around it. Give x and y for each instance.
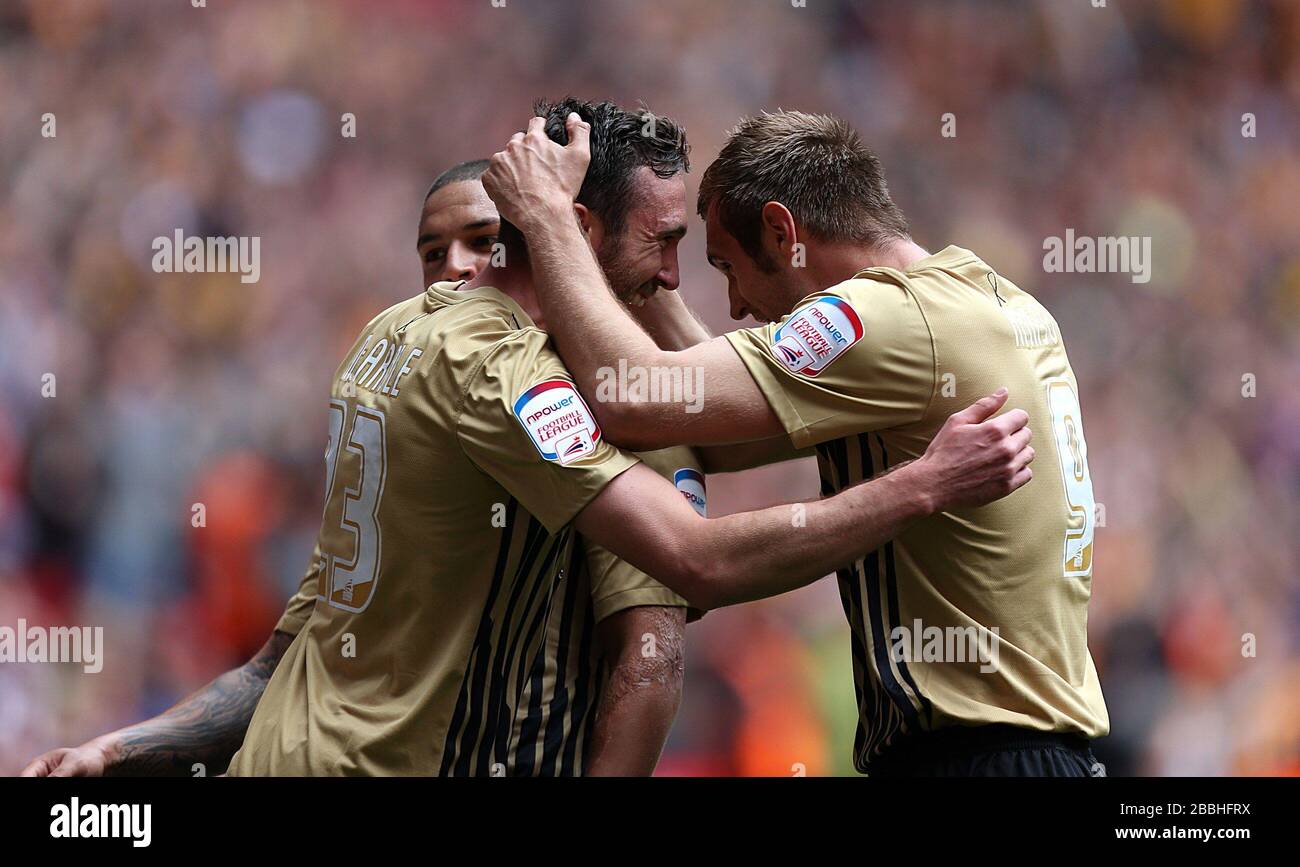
(1175, 120)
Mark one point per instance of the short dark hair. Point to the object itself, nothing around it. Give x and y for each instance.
(470, 170)
(815, 165)
(622, 141)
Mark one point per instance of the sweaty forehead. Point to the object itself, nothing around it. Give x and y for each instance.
(456, 206)
(658, 204)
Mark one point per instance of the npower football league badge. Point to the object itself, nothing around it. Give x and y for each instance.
(557, 421)
(816, 335)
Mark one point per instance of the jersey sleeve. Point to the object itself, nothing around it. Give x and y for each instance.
(856, 358)
(522, 421)
(617, 585)
(303, 602)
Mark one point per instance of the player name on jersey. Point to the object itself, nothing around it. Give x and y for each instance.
(1033, 328)
(380, 368)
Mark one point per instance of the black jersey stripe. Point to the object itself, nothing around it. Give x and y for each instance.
(526, 753)
(497, 678)
(542, 613)
(554, 723)
(894, 616)
(887, 718)
(526, 749)
(872, 580)
(476, 664)
(582, 694)
(890, 714)
(825, 469)
(833, 478)
(851, 600)
(524, 646)
(882, 709)
(481, 687)
(880, 650)
(503, 727)
(534, 674)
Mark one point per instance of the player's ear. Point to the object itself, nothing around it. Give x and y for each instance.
(591, 225)
(779, 232)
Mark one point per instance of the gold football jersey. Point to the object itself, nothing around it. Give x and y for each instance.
(972, 616)
(446, 624)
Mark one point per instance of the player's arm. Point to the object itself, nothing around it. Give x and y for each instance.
(642, 692)
(533, 183)
(673, 326)
(714, 562)
(669, 322)
(205, 728)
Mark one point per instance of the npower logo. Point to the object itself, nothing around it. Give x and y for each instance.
(547, 410)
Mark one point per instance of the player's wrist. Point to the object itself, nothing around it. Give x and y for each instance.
(917, 488)
(668, 321)
(109, 748)
(550, 214)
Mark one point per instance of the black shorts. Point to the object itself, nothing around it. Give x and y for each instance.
(989, 751)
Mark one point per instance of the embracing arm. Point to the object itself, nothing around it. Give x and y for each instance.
(645, 650)
(673, 326)
(206, 728)
(714, 562)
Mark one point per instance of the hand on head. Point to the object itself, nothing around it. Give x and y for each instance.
(534, 178)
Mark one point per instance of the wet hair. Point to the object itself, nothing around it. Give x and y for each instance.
(622, 142)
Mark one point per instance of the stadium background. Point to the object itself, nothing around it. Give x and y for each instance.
(177, 389)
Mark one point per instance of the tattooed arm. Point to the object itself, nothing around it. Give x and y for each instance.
(205, 728)
(640, 698)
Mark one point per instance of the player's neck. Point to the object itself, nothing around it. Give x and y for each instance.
(518, 284)
(899, 254)
(839, 262)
